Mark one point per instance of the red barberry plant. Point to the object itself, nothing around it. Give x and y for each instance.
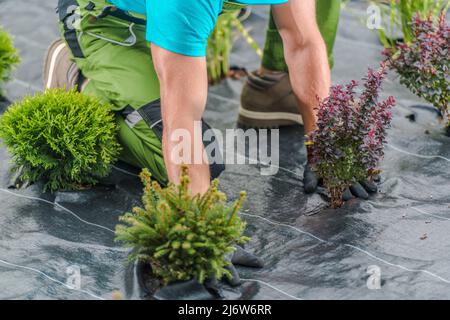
(351, 132)
(424, 64)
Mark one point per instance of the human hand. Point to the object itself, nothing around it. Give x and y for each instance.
(361, 189)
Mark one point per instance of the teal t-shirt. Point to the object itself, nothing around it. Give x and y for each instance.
(181, 26)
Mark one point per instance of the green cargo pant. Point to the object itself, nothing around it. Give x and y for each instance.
(328, 13)
(114, 57)
(110, 49)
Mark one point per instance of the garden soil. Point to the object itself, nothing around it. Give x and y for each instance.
(61, 246)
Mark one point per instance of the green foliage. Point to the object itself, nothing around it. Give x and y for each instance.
(183, 236)
(351, 132)
(219, 48)
(398, 14)
(8, 56)
(220, 42)
(65, 138)
(424, 64)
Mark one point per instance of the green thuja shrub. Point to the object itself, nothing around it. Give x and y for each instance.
(180, 235)
(8, 56)
(65, 138)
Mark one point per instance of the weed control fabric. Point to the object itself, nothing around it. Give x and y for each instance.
(394, 246)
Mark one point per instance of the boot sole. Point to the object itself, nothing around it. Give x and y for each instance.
(50, 62)
(255, 119)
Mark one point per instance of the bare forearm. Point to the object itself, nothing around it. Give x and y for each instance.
(310, 77)
(183, 82)
(198, 171)
(306, 55)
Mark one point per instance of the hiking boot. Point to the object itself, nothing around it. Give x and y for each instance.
(268, 102)
(59, 69)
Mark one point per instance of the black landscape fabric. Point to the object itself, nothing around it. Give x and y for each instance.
(311, 252)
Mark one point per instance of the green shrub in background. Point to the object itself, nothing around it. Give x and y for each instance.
(398, 14)
(8, 57)
(221, 41)
(182, 236)
(219, 48)
(64, 138)
(424, 64)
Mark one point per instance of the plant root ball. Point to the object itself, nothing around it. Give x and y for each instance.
(64, 138)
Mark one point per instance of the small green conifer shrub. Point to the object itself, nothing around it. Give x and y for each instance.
(183, 236)
(66, 139)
